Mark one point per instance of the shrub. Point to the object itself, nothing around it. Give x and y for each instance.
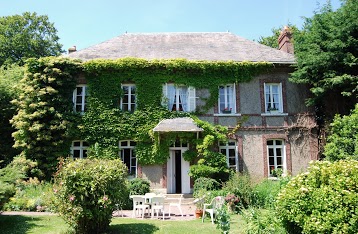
(265, 193)
(206, 184)
(32, 195)
(139, 186)
(9, 176)
(240, 185)
(322, 200)
(87, 190)
(260, 221)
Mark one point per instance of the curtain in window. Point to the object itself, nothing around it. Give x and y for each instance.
(183, 94)
(171, 96)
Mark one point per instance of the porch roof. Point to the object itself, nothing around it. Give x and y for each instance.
(185, 124)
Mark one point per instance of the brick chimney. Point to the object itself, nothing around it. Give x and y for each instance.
(285, 40)
(72, 49)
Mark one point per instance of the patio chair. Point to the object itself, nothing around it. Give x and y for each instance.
(139, 205)
(216, 203)
(157, 205)
(177, 204)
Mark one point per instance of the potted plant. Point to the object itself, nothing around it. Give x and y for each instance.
(199, 203)
(226, 110)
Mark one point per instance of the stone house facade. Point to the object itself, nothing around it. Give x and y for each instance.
(278, 131)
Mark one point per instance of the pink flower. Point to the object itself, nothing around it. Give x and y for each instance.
(72, 198)
(105, 198)
(55, 190)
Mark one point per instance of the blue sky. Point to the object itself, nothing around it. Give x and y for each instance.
(87, 22)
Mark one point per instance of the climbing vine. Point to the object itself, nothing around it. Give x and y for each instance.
(104, 124)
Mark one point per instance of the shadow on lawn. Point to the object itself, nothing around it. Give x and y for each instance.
(14, 224)
(133, 228)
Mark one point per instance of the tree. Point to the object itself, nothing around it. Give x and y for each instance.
(27, 36)
(272, 41)
(326, 52)
(9, 79)
(342, 143)
(45, 119)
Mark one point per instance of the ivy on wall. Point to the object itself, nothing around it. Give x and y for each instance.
(49, 83)
(105, 123)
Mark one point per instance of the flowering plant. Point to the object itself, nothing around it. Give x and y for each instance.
(231, 199)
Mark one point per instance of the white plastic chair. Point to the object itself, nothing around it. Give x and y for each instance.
(139, 205)
(216, 203)
(176, 204)
(157, 205)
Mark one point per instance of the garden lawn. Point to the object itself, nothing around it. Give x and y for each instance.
(12, 224)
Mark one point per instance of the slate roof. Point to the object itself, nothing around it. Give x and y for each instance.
(221, 46)
(184, 124)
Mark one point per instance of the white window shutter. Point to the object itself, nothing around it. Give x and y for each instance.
(191, 98)
(165, 96)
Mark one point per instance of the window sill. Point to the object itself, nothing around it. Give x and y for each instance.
(274, 114)
(227, 114)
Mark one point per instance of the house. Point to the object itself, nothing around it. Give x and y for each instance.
(272, 127)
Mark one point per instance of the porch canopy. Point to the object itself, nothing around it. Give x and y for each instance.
(184, 124)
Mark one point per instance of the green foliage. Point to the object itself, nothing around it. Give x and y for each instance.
(222, 220)
(342, 143)
(241, 186)
(266, 192)
(32, 195)
(27, 36)
(9, 176)
(206, 184)
(322, 200)
(326, 54)
(87, 190)
(9, 79)
(45, 115)
(272, 41)
(261, 221)
(139, 186)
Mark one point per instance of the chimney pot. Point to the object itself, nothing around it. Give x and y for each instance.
(285, 40)
(72, 49)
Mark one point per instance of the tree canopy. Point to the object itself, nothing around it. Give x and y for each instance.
(272, 41)
(342, 143)
(326, 51)
(27, 36)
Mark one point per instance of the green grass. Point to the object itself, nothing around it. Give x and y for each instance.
(13, 224)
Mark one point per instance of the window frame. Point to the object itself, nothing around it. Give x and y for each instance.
(188, 106)
(129, 104)
(82, 148)
(131, 147)
(226, 146)
(275, 165)
(226, 102)
(83, 95)
(269, 85)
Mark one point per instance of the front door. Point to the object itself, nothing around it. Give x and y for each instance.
(178, 172)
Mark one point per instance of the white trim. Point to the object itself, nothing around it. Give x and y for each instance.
(131, 156)
(81, 148)
(83, 96)
(227, 147)
(280, 100)
(283, 155)
(130, 86)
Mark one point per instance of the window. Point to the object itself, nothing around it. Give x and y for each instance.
(79, 149)
(128, 101)
(276, 156)
(227, 99)
(273, 97)
(230, 150)
(128, 156)
(179, 97)
(79, 98)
